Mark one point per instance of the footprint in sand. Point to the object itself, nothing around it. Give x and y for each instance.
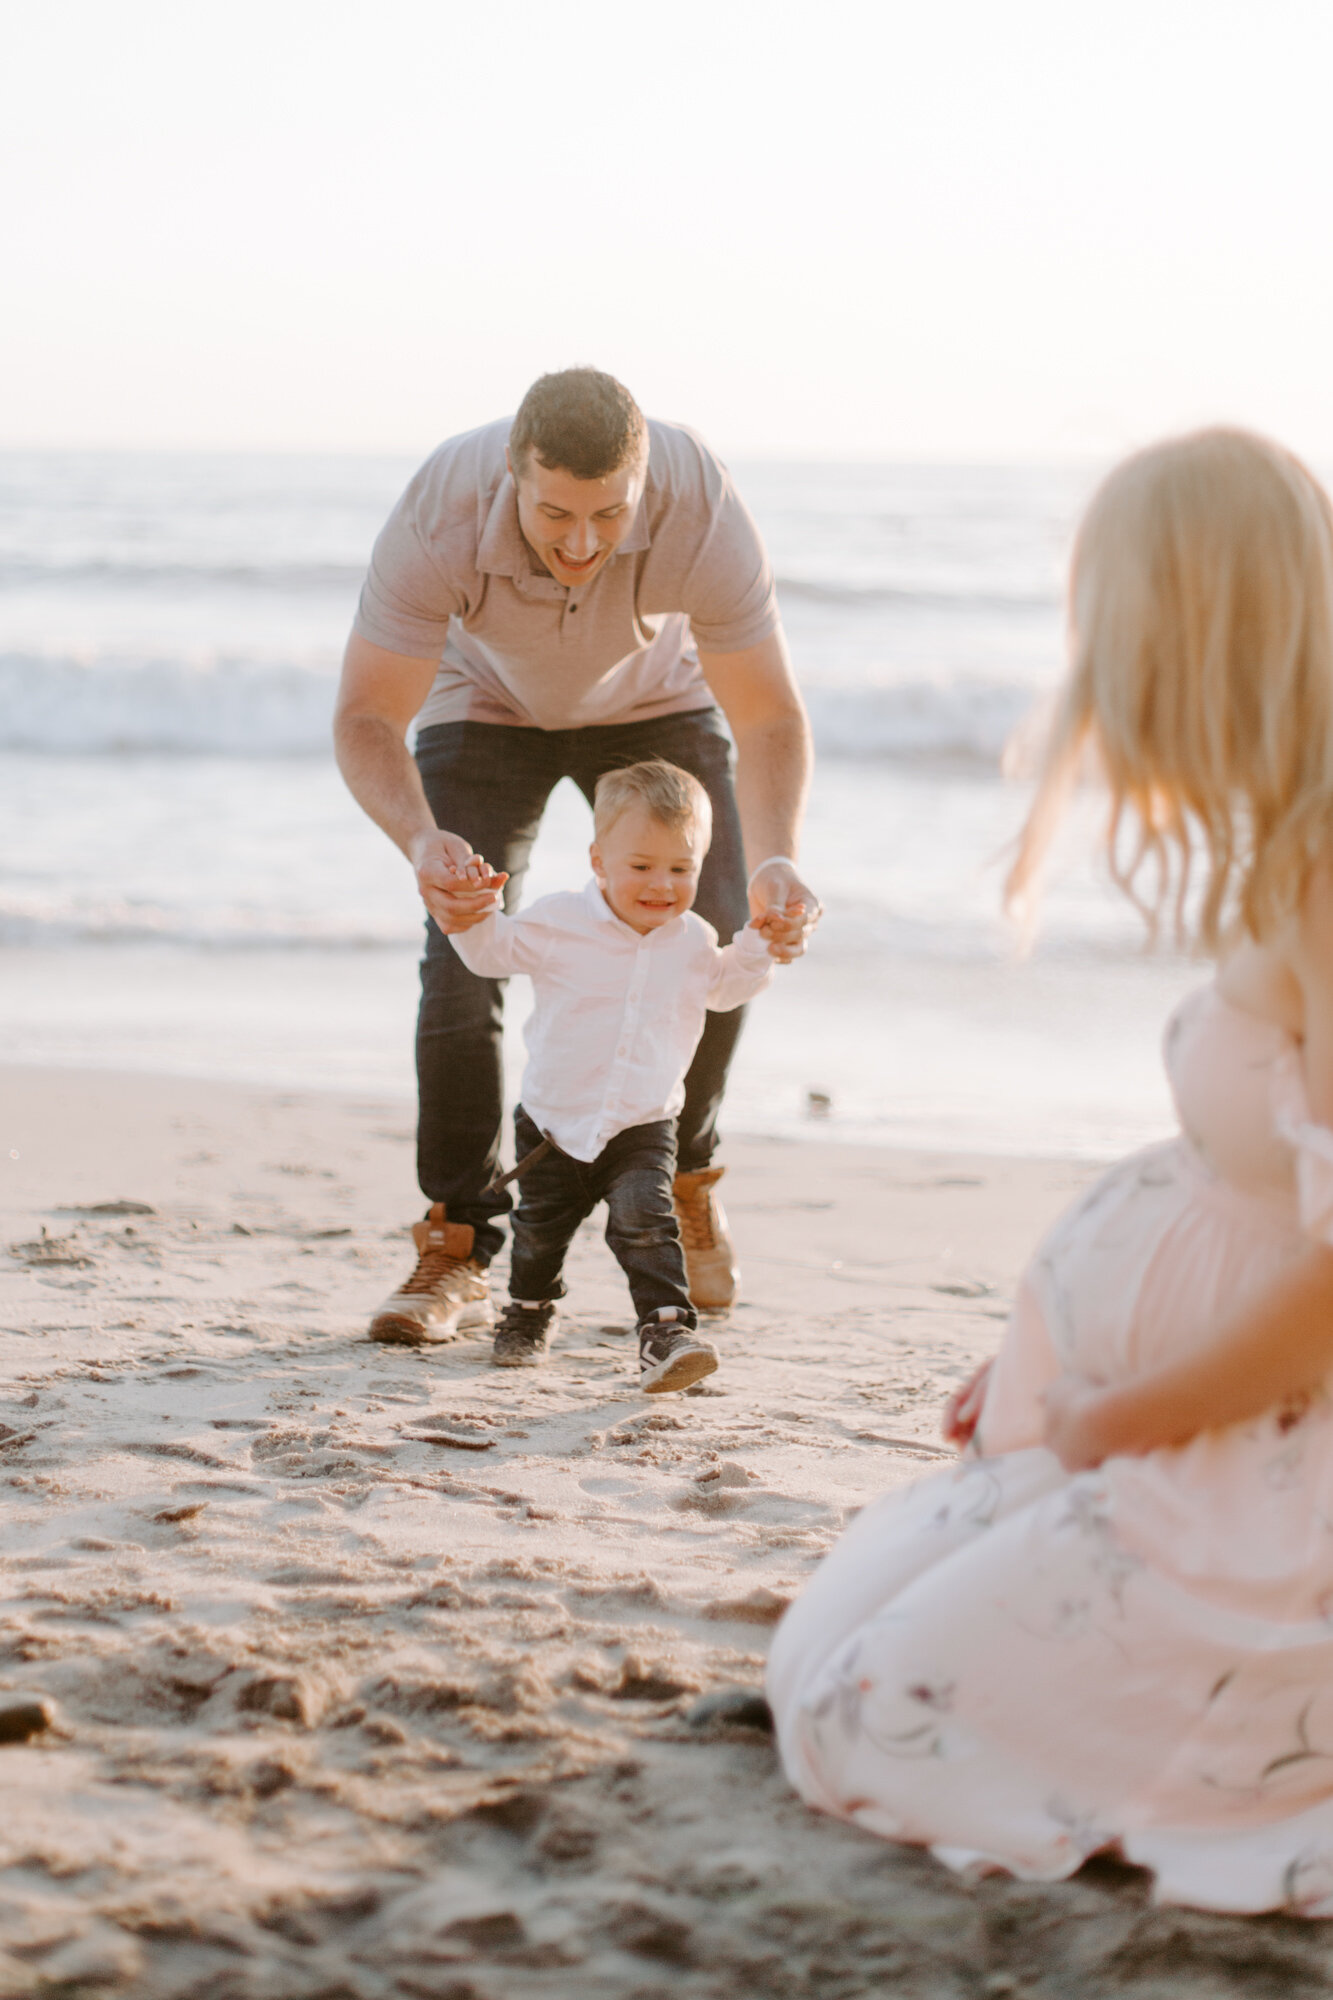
(718, 1489)
(46, 1251)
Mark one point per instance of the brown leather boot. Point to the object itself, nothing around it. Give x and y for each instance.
(710, 1257)
(448, 1293)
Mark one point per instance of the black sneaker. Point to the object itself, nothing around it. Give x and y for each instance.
(524, 1334)
(672, 1355)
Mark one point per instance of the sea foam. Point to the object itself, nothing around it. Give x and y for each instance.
(254, 707)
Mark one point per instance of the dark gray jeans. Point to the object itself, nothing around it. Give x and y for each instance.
(490, 783)
(632, 1174)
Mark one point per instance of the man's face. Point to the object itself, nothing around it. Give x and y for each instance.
(573, 525)
(648, 872)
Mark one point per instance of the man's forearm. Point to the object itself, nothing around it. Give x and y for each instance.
(382, 776)
(773, 761)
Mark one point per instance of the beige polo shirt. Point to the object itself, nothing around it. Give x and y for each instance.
(452, 579)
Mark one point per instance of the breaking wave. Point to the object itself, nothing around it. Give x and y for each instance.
(226, 707)
(903, 597)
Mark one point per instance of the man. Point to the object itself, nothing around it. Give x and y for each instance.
(557, 597)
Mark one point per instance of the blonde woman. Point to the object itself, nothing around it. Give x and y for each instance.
(1112, 1624)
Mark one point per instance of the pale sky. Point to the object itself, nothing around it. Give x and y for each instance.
(903, 229)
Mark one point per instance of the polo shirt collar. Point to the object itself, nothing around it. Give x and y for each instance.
(502, 550)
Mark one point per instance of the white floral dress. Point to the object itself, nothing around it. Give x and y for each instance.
(1016, 1667)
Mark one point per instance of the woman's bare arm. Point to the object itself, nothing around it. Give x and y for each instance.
(1273, 1350)
(1279, 1346)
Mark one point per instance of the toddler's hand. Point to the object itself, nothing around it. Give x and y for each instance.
(778, 894)
(773, 927)
(475, 873)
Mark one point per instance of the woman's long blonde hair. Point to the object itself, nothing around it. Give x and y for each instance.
(1201, 678)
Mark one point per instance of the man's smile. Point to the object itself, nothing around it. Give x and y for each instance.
(578, 566)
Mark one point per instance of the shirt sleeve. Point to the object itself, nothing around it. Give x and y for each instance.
(730, 594)
(499, 945)
(740, 970)
(408, 598)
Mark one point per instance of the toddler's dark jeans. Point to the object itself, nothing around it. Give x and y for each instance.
(632, 1174)
(490, 782)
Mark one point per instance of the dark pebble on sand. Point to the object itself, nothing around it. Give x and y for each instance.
(733, 1708)
(450, 1438)
(111, 1208)
(21, 1719)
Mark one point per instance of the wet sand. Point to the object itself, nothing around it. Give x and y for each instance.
(371, 1670)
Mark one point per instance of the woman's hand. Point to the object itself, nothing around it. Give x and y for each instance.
(962, 1412)
(1073, 1406)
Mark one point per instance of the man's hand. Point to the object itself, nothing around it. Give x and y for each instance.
(457, 886)
(783, 908)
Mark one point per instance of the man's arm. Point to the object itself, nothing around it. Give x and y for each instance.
(759, 697)
(1278, 1344)
(378, 696)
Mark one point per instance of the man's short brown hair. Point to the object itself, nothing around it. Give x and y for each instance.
(666, 792)
(578, 421)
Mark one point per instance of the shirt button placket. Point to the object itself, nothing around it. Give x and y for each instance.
(615, 1080)
(615, 1088)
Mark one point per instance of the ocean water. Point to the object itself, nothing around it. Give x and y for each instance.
(185, 884)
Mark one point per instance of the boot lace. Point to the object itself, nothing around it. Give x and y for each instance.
(698, 1224)
(434, 1265)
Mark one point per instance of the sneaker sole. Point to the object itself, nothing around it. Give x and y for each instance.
(680, 1372)
(532, 1359)
(404, 1330)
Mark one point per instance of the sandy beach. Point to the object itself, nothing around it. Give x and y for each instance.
(371, 1671)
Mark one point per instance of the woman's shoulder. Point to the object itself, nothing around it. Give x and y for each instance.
(1262, 979)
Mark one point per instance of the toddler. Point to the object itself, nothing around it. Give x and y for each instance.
(623, 974)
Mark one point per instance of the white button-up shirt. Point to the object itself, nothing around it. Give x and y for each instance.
(617, 1016)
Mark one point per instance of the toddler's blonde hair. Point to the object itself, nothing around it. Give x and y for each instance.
(664, 790)
(1201, 677)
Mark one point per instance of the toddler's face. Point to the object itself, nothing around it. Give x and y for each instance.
(648, 872)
